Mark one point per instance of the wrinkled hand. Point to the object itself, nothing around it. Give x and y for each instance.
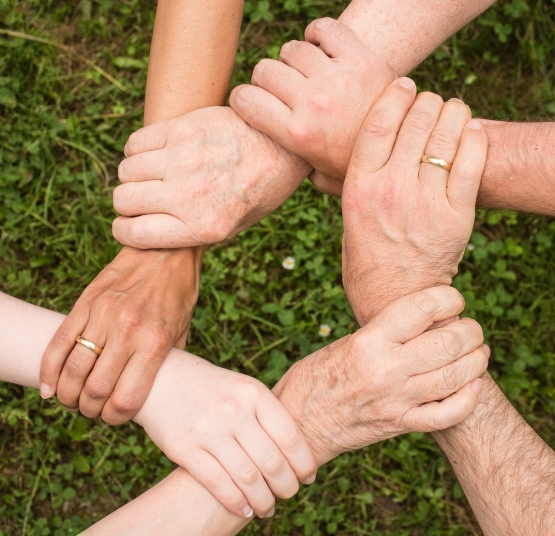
(314, 100)
(229, 431)
(199, 179)
(407, 223)
(389, 378)
(137, 308)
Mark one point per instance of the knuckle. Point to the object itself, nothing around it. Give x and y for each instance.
(299, 133)
(128, 320)
(62, 339)
(450, 378)
(450, 343)
(98, 389)
(291, 438)
(419, 122)
(274, 464)
(125, 403)
(378, 125)
(216, 479)
(77, 366)
(443, 137)
(249, 475)
(423, 303)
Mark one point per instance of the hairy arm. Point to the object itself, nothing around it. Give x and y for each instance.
(506, 470)
(520, 170)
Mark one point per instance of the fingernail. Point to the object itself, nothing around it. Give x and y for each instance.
(407, 83)
(271, 513)
(474, 124)
(310, 479)
(248, 511)
(477, 386)
(454, 99)
(487, 350)
(45, 390)
(243, 95)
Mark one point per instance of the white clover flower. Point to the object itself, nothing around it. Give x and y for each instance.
(325, 330)
(288, 263)
(471, 247)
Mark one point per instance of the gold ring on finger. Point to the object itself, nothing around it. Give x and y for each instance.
(90, 345)
(427, 159)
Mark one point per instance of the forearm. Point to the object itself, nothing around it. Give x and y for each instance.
(192, 56)
(405, 32)
(177, 505)
(506, 470)
(520, 170)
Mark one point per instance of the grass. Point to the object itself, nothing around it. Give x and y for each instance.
(71, 91)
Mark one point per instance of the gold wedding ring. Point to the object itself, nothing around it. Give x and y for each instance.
(427, 159)
(90, 345)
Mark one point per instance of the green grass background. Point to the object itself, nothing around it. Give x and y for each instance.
(63, 124)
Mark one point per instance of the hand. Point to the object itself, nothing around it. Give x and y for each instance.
(199, 179)
(229, 431)
(407, 223)
(389, 378)
(137, 308)
(314, 100)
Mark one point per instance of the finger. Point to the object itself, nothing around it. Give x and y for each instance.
(325, 184)
(134, 384)
(284, 432)
(278, 79)
(59, 348)
(149, 166)
(304, 57)
(436, 348)
(270, 461)
(379, 131)
(153, 231)
(138, 198)
(262, 111)
(209, 472)
(151, 138)
(466, 174)
(78, 366)
(409, 316)
(333, 37)
(103, 378)
(445, 381)
(246, 476)
(444, 144)
(415, 132)
(453, 410)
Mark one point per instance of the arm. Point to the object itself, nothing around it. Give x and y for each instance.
(318, 116)
(249, 173)
(403, 32)
(150, 294)
(520, 170)
(192, 56)
(393, 369)
(506, 470)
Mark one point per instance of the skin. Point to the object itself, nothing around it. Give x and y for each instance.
(506, 470)
(396, 373)
(137, 323)
(315, 110)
